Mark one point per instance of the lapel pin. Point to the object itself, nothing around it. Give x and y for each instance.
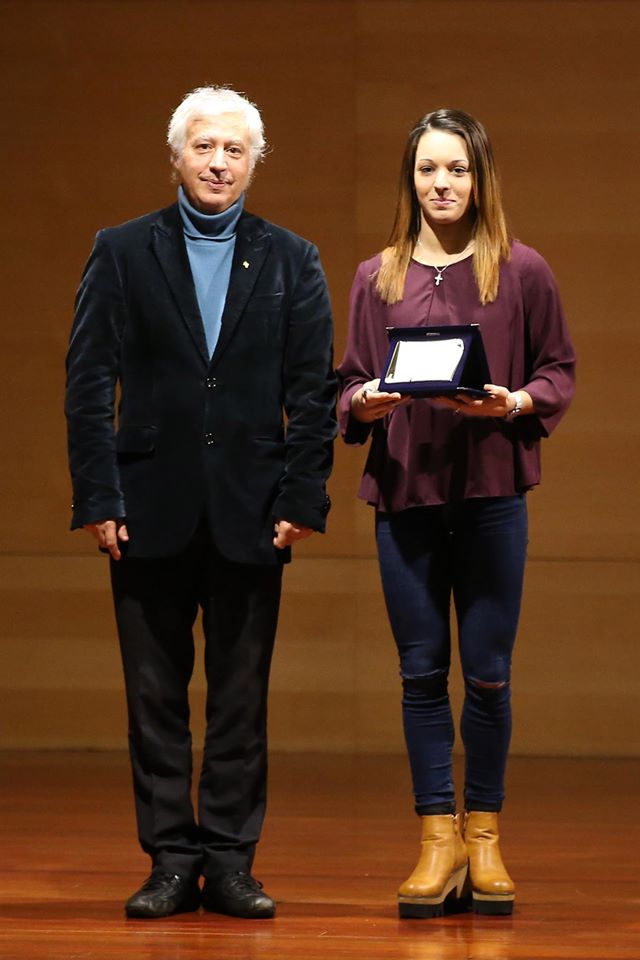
(245, 264)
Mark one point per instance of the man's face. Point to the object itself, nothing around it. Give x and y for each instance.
(215, 165)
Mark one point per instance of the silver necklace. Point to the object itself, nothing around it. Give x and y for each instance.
(439, 271)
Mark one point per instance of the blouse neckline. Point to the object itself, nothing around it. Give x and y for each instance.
(433, 266)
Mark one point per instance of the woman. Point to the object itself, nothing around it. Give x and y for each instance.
(448, 477)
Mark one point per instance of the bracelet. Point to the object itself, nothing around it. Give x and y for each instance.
(517, 410)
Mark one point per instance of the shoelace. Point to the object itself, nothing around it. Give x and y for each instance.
(244, 883)
(157, 880)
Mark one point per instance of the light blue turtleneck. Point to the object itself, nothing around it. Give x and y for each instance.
(210, 240)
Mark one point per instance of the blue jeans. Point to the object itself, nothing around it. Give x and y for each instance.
(475, 551)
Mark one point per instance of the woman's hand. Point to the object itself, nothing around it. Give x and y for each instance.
(369, 404)
(500, 403)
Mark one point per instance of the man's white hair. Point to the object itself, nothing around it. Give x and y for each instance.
(210, 102)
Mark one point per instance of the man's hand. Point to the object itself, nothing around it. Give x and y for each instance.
(287, 533)
(108, 533)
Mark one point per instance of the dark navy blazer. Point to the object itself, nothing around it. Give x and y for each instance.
(243, 438)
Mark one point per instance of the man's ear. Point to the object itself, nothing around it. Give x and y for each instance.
(174, 161)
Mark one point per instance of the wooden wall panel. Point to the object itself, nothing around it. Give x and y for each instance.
(335, 676)
(87, 94)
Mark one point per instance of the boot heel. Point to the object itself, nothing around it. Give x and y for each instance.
(461, 881)
(459, 899)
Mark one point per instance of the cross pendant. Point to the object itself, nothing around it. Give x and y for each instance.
(438, 280)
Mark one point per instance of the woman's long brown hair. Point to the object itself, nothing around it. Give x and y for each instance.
(489, 224)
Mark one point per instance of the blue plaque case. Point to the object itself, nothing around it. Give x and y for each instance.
(469, 376)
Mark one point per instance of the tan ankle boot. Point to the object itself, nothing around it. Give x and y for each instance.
(441, 870)
(492, 889)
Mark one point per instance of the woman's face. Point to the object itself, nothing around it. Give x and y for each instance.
(442, 178)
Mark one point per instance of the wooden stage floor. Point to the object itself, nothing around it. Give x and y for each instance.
(340, 837)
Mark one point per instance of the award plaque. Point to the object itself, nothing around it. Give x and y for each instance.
(435, 361)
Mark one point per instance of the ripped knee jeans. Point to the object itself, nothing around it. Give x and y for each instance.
(473, 552)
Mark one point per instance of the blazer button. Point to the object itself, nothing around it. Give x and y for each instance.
(211, 382)
(209, 439)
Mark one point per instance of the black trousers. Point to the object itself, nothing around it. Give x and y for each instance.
(156, 604)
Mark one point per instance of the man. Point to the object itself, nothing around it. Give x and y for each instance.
(212, 324)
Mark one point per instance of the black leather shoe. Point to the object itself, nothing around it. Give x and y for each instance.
(162, 895)
(238, 895)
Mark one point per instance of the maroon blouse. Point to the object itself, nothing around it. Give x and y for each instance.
(421, 454)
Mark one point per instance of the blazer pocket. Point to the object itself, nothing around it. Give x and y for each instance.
(134, 438)
(270, 443)
(264, 303)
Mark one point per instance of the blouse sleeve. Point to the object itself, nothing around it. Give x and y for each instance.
(359, 361)
(550, 353)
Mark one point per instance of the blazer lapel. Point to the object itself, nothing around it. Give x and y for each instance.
(252, 245)
(167, 241)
